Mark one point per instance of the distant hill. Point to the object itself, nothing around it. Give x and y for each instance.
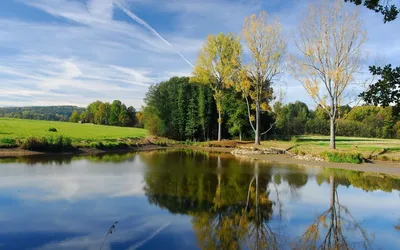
(49, 113)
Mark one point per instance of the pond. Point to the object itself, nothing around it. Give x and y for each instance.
(176, 199)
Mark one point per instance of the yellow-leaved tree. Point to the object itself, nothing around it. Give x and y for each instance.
(267, 47)
(329, 43)
(217, 64)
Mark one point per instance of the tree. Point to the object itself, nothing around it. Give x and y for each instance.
(102, 114)
(75, 116)
(152, 121)
(191, 119)
(123, 116)
(216, 65)
(389, 12)
(133, 120)
(330, 42)
(267, 46)
(114, 113)
(139, 119)
(291, 118)
(237, 121)
(385, 91)
(91, 111)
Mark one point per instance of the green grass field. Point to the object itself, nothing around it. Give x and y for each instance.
(12, 130)
(383, 149)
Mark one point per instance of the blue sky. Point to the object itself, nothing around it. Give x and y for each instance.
(55, 52)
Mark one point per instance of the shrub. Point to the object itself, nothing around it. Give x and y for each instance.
(52, 144)
(162, 143)
(96, 145)
(52, 129)
(341, 157)
(7, 143)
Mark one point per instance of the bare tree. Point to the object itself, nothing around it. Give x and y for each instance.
(330, 43)
(267, 46)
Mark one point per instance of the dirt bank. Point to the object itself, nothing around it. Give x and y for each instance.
(17, 152)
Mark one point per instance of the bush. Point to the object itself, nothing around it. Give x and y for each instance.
(340, 157)
(7, 143)
(108, 145)
(52, 144)
(52, 129)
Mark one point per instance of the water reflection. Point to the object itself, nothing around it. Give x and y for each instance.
(335, 228)
(189, 200)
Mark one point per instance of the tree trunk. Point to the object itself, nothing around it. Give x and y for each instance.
(332, 184)
(332, 143)
(240, 135)
(219, 125)
(257, 132)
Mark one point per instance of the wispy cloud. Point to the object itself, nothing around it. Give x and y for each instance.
(91, 49)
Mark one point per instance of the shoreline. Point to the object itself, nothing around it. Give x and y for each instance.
(377, 167)
(17, 152)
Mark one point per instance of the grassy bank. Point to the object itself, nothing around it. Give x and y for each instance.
(56, 136)
(349, 149)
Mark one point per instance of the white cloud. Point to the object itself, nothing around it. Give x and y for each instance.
(89, 52)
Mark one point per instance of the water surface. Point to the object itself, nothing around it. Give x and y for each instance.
(192, 200)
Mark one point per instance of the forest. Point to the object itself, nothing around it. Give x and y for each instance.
(181, 110)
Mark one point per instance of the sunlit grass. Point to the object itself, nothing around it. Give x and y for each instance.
(12, 130)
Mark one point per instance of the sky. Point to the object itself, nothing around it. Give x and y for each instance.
(73, 52)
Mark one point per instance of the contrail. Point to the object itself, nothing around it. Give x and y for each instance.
(147, 26)
(148, 238)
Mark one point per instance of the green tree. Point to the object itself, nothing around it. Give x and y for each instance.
(152, 121)
(115, 113)
(236, 110)
(123, 117)
(389, 11)
(103, 113)
(191, 119)
(132, 117)
(75, 116)
(216, 66)
(386, 91)
(139, 119)
(291, 118)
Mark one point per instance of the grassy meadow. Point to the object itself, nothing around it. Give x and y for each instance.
(369, 148)
(14, 130)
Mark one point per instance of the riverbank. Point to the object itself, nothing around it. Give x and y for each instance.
(377, 167)
(287, 156)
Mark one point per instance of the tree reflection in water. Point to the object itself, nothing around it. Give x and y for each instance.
(229, 209)
(333, 228)
(231, 202)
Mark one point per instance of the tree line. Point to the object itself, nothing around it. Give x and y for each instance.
(48, 113)
(105, 113)
(98, 112)
(181, 110)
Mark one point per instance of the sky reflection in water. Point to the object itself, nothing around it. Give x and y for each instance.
(189, 200)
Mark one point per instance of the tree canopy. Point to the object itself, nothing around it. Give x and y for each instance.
(386, 91)
(389, 11)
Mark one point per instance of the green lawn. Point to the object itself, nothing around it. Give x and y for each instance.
(388, 149)
(13, 129)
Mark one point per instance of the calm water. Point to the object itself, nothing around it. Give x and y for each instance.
(188, 200)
